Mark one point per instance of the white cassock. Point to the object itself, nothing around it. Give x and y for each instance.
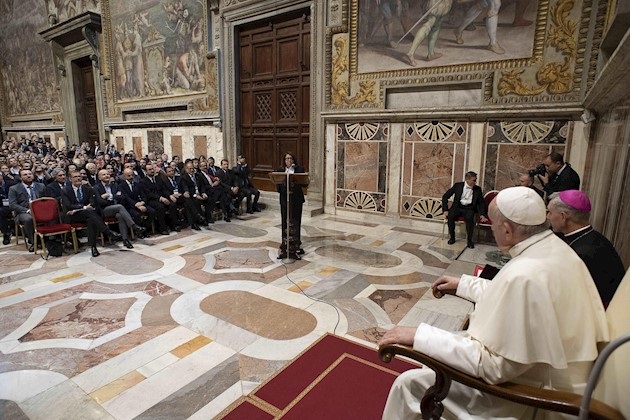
(537, 322)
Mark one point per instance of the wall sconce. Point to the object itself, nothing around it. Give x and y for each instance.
(62, 70)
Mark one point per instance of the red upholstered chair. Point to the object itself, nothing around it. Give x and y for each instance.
(487, 198)
(47, 222)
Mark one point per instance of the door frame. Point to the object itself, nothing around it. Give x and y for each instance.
(232, 18)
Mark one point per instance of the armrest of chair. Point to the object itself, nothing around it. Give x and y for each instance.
(431, 404)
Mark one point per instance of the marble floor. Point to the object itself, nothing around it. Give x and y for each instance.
(183, 325)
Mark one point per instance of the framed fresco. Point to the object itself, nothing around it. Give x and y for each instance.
(514, 51)
(157, 56)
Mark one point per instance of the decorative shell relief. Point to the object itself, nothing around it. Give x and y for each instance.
(427, 208)
(526, 131)
(362, 131)
(360, 200)
(435, 131)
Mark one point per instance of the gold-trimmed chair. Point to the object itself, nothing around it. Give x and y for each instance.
(47, 222)
(609, 401)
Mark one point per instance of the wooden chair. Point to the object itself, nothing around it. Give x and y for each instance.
(47, 222)
(19, 228)
(611, 395)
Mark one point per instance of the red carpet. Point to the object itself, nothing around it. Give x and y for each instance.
(334, 378)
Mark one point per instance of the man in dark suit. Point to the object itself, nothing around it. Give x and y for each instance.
(242, 172)
(151, 193)
(560, 175)
(194, 187)
(230, 184)
(79, 205)
(468, 201)
(109, 199)
(20, 196)
(216, 194)
(173, 193)
(132, 198)
(55, 188)
(5, 210)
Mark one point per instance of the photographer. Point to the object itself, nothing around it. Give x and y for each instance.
(559, 177)
(527, 180)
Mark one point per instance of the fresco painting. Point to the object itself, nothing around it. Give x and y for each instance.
(158, 48)
(407, 34)
(29, 86)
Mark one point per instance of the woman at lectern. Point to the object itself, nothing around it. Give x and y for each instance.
(291, 166)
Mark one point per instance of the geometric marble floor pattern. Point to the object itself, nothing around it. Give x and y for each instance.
(183, 325)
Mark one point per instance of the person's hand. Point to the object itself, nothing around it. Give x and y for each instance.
(187, 194)
(484, 219)
(544, 179)
(445, 283)
(104, 196)
(446, 214)
(398, 335)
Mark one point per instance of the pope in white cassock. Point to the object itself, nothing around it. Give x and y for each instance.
(537, 322)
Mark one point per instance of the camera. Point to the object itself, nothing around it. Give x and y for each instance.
(538, 170)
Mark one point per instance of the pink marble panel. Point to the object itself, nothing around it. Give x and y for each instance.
(361, 166)
(459, 162)
(407, 169)
(516, 159)
(432, 169)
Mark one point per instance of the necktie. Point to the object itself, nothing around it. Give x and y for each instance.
(31, 192)
(79, 195)
(153, 179)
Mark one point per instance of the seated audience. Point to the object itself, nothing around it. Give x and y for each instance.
(216, 194)
(539, 321)
(194, 190)
(78, 202)
(133, 201)
(229, 183)
(569, 212)
(151, 192)
(5, 210)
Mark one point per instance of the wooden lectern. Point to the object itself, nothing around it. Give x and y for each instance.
(289, 246)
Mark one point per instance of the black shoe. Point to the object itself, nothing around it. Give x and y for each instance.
(176, 228)
(31, 248)
(257, 210)
(227, 219)
(95, 252)
(300, 251)
(202, 221)
(470, 245)
(210, 221)
(164, 232)
(195, 227)
(282, 256)
(140, 231)
(7, 239)
(451, 241)
(127, 244)
(114, 236)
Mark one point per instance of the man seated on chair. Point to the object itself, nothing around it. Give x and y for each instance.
(569, 212)
(537, 322)
(243, 173)
(20, 196)
(109, 199)
(468, 201)
(78, 202)
(5, 210)
(133, 202)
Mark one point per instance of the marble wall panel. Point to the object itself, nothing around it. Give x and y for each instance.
(361, 166)
(434, 156)
(201, 145)
(176, 146)
(156, 141)
(137, 146)
(120, 144)
(513, 147)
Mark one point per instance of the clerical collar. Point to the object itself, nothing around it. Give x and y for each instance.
(561, 169)
(575, 232)
(520, 247)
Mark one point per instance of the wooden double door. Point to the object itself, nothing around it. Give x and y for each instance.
(275, 93)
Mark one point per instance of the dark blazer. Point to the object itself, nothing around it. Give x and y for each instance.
(99, 190)
(150, 191)
(187, 185)
(242, 173)
(166, 186)
(19, 198)
(568, 179)
(4, 189)
(69, 199)
(130, 195)
(228, 179)
(54, 189)
(458, 189)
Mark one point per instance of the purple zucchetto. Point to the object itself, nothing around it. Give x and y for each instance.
(576, 199)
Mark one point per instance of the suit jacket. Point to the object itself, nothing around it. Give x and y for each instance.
(458, 189)
(130, 195)
(92, 179)
(19, 199)
(54, 189)
(99, 190)
(150, 191)
(568, 179)
(228, 179)
(242, 173)
(188, 185)
(4, 189)
(166, 186)
(69, 199)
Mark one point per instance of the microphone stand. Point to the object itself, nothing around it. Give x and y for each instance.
(288, 260)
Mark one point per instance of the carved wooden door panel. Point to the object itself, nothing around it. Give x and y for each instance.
(85, 95)
(275, 95)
